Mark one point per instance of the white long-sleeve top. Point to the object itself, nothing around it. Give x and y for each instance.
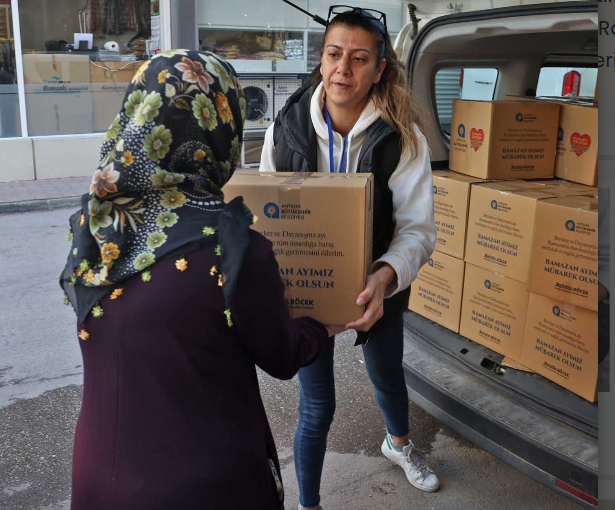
(411, 183)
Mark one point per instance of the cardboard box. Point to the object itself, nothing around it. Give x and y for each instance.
(577, 138)
(504, 139)
(323, 250)
(436, 293)
(110, 80)
(558, 99)
(451, 194)
(566, 188)
(577, 144)
(501, 224)
(58, 94)
(564, 256)
(493, 311)
(515, 365)
(561, 344)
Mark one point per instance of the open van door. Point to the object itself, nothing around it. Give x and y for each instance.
(538, 427)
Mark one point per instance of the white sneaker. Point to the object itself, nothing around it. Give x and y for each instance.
(417, 471)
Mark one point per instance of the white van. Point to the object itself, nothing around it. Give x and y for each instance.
(529, 422)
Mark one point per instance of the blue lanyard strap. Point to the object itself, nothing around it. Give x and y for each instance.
(331, 162)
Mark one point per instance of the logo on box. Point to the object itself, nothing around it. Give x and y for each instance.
(571, 226)
(494, 204)
(435, 190)
(461, 131)
(560, 134)
(580, 143)
(272, 210)
(564, 314)
(488, 284)
(477, 137)
(430, 262)
(519, 117)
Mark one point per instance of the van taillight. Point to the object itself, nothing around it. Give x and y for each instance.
(577, 493)
(572, 84)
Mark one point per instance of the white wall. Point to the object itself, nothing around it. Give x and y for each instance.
(48, 157)
(17, 159)
(56, 157)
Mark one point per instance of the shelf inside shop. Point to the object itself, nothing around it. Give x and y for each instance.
(256, 51)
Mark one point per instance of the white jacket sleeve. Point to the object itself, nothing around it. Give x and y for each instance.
(268, 155)
(414, 238)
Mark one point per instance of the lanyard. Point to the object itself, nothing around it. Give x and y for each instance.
(331, 163)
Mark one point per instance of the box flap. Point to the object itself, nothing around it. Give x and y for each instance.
(581, 203)
(454, 176)
(299, 179)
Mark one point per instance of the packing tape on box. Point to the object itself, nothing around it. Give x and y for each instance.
(290, 188)
(297, 179)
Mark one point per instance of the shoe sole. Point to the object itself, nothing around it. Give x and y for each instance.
(385, 452)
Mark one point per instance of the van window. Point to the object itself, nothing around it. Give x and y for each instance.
(462, 83)
(567, 81)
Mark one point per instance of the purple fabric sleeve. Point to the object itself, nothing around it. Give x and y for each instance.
(278, 344)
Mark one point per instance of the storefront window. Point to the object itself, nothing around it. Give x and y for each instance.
(315, 43)
(10, 125)
(256, 51)
(79, 58)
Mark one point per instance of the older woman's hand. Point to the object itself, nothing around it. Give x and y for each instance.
(335, 329)
(373, 296)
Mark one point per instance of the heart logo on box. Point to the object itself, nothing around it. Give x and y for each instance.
(477, 137)
(580, 144)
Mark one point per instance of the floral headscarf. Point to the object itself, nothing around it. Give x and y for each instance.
(157, 189)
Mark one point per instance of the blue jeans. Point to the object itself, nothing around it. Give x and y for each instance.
(383, 359)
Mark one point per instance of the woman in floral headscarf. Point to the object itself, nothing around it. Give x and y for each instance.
(177, 300)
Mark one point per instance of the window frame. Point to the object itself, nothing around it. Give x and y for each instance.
(165, 45)
(455, 66)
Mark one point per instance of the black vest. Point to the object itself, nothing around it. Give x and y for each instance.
(296, 148)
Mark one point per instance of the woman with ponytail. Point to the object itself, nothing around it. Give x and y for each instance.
(357, 115)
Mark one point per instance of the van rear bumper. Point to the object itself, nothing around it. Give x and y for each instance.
(497, 418)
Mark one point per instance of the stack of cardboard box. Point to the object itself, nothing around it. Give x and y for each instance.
(58, 94)
(69, 94)
(499, 263)
(437, 290)
(109, 81)
(577, 138)
(501, 228)
(561, 333)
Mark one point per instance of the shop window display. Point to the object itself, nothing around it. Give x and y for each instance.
(10, 125)
(315, 42)
(256, 51)
(79, 57)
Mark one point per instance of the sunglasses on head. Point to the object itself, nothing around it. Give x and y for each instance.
(378, 18)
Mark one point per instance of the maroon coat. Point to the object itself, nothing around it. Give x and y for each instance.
(172, 415)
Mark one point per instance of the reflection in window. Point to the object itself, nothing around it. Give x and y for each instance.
(10, 124)
(567, 81)
(256, 51)
(79, 58)
(315, 43)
